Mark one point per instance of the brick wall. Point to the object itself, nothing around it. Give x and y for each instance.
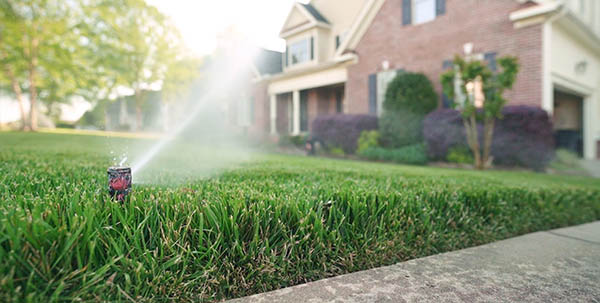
(424, 47)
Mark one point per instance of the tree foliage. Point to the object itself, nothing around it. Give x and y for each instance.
(51, 50)
(493, 87)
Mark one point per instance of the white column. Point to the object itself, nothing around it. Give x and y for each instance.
(273, 117)
(296, 112)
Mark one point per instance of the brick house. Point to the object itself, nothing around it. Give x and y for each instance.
(340, 60)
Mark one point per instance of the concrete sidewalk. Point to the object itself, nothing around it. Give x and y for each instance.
(562, 265)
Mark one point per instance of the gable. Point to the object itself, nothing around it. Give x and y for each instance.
(295, 19)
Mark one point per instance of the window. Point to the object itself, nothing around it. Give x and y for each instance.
(300, 52)
(424, 11)
(339, 99)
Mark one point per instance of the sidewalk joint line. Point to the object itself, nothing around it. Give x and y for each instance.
(574, 238)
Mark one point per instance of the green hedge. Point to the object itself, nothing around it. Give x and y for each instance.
(276, 223)
(413, 154)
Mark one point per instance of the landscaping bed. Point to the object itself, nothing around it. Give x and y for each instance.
(271, 223)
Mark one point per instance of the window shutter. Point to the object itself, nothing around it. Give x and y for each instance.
(406, 12)
(490, 58)
(446, 102)
(287, 55)
(373, 94)
(337, 41)
(312, 48)
(440, 7)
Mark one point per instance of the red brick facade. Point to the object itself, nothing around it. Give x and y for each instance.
(424, 47)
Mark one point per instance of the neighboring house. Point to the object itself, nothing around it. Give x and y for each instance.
(341, 59)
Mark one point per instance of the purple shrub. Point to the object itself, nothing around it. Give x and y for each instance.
(523, 137)
(342, 130)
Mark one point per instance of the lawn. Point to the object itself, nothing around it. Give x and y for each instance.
(224, 231)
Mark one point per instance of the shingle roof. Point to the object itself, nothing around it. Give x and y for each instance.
(313, 11)
(268, 62)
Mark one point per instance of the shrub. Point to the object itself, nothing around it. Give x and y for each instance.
(410, 92)
(460, 154)
(524, 137)
(567, 162)
(367, 139)
(336, 151)
(292, 141)
(413, 154)
(342, 130)
(400, 129)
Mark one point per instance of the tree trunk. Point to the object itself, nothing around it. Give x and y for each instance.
(487, 137)
(138, 110)
(33, 118)
(17, 90)
(473, 140)
(19, 95)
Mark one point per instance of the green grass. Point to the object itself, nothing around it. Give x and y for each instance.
(261, 225)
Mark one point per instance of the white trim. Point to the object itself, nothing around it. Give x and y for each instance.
(360, 26)
(334, 75)
(312, 22)
(547, 87)
(533, 11)
(296, 112)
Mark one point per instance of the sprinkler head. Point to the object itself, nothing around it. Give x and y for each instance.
(119, 182)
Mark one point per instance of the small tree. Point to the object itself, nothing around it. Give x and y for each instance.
(493, 85)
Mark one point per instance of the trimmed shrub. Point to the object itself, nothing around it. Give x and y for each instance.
(413, 154)
(367, 139)
(408, 98)
(342, 130)
(400, 129)
(410, 92)
(460, 154)
(523, 137)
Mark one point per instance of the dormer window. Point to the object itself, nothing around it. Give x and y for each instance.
(300, 51)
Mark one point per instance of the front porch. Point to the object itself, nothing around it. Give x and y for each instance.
(292, 113)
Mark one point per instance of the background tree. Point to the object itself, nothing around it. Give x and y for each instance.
(40, 50)
(493, 86)
(179, 77)
(142, 39)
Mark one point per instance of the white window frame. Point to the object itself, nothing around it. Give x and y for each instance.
(306, 41)
(415, 10)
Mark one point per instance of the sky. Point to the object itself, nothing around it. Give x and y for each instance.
(200, 21)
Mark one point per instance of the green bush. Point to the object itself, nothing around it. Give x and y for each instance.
(409, 97)
(336, 151)
(413, 154)
(460, 154)
(368, 139)
(292, 141)
(410, 92)
(399, 129)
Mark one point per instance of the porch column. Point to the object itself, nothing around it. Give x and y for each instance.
(296, 113)
(273, 108)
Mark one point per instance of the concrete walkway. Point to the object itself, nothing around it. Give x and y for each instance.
(562, 265)
(592, 167)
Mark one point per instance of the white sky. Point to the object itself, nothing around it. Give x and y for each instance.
(200, 21)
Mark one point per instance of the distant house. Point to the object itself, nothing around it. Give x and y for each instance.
(340, 55)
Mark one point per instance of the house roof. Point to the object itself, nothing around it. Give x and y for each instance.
(315, 13)
(268, 62)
